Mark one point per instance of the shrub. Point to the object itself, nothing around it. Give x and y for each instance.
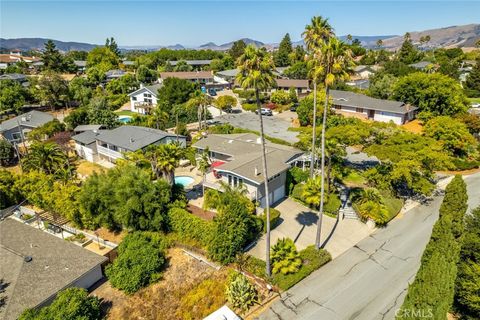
(240, 292)
(71, 303)
(190, 227)
(205, 298)
(295, 176)
(280, 97)
(140, 261)
(465, 164)
(332, 204)
(285, 258)
(274, 218)
(297, 191)
(312, 259)
(249, 107)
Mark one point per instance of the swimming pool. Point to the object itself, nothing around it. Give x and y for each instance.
(184, 180)
(124, 119)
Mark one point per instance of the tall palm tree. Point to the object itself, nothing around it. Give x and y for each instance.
(315, 35)
(336, 64)
(256, 72)
(201, 101)
(168, 158)
(45, 157)
(311, 192)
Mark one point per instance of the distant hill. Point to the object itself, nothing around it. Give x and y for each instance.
(228, 45)
(449, 37)
(368, 41)
(38, 44)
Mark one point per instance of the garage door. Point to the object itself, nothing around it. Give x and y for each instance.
(279, 194)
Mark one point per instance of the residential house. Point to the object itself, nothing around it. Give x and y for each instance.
(228, 75)
(114, 74)
(203, 78)
(16, 129)
(87, 127)
(14, 57)
(363, 72)
(196, 64)
(361, 84)
(353, 104)
(81, 65)
(106, 146)
(237, 161)
(36, 265)
(145, 98)
(301, 86)
(20, 78)
(422, 65)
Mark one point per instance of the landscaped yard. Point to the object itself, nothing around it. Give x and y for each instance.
(126, 113)
(474, 100)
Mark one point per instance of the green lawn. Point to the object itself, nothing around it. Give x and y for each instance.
(126, 113)
(354, 179)
(394, 205)
(474, 100)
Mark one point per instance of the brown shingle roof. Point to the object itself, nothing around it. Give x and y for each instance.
(189, 75)
(292, 83)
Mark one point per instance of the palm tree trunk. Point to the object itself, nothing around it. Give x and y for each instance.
(205, 116)
(199, 115)
(322, 182)
(314, 132)
(265, 181)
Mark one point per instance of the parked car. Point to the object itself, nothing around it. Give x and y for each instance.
(212, 122)
(265, 112)
(475, 105)
(294, 107)
(212, 92)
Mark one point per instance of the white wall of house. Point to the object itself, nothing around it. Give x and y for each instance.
(142, 96)
(388, 116)
(88, 153)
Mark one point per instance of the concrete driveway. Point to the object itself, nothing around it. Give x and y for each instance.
(274, 126)
(299, 223)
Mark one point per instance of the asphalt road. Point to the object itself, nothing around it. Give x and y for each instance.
(273, 126)
(370, 280)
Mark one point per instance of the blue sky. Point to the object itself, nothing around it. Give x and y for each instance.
(193, 23)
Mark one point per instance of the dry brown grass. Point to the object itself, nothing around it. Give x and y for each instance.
(86, 168)
(115, 237)
(161, 300)
(414, 126)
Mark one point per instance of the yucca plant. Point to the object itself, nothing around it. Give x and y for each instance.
(240, 292)
(285, 258)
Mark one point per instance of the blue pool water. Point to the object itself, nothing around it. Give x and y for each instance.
(184, 180)
(124, 119)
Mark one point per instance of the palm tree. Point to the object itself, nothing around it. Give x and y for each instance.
(168, 158)
(158, 118)
(203, 164)
(45, 157)
(315, 35)
(256, 72)
(200, 101)
(336, 64)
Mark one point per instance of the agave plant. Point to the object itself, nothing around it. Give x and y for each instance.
(285, 258)
(240, 292)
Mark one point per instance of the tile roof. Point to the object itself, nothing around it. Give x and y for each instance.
(32, 119)
(356, 100)
(55, 264)
(246, 154)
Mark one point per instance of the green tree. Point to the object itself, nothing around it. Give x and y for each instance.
(282, 56)
(145, 75)
(102, 59)
(467, 286)
(453, 134)
(311, 192)
(98, 112)
(111, 44)
(175, 91)
(285, 258)
(240, 292)
(80, 90)
(280, 97)
(9, 195)
(182, 66)
(122, 85)
(298, 70)
(51, 90)
(200, 101)
(237, 49)
(472, 84)
(225, 102)
(408, 53)
(140, 262)
(72, 303)
(12, 95)
(6, 152)
(381, 86)
(76, 117)
(256, 72)
(33, 186)
(52, 58)
(434, 94)
(45, 157)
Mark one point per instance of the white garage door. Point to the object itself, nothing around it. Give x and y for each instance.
(279, 194)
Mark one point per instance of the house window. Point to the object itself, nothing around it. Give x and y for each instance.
(337, 107)
(235, 181)
(134, 98)
(359, 110)
(229, 180)
(16, 136)
(147, 95)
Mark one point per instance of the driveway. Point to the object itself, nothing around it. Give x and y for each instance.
(274, 126)
(370, 280)
(299, 223)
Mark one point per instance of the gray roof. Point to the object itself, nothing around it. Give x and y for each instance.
(55, 264)
(192, 62)
(228, 73)
(128, 62)
(420, 65)
(133, 138)
(87, 127)
(115, 73)
(87, 137)
(359, 83)
(32, 119)
(152, 88)
(356, 100)
(13, 76)
(246, 154)
(80, 63)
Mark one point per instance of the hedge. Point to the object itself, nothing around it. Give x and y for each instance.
(274, 218)
(464, 164)
(190, 227)
(249, 107)
(433, 288)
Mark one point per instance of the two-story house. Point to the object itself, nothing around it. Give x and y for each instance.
(106, 146)
(237, 160)
(144, 99)
(15, 130)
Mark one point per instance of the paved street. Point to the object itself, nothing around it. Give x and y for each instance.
(370, 280)
(273, 126)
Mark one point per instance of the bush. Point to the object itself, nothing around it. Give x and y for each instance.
(285, 258)
(205, 298)
(140, 261)
(190, 227)
(274, 218)
(71, 303)
(312, 259)
(465, 164)
(297, 191)
(249, 107)
(280, 97)
(295, 175)
(332, 204)
(240, 292)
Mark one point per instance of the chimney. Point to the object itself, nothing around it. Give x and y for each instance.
(256, 170)
(131, 140)
(24, 119)
(141, 85)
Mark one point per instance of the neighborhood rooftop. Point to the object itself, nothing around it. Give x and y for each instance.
(132, 138)
(187, 75)
(356, 100)
(36, 265)
(291, 83)
(31, 119)
(192, 62)
(87, 137)
(152, 88)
